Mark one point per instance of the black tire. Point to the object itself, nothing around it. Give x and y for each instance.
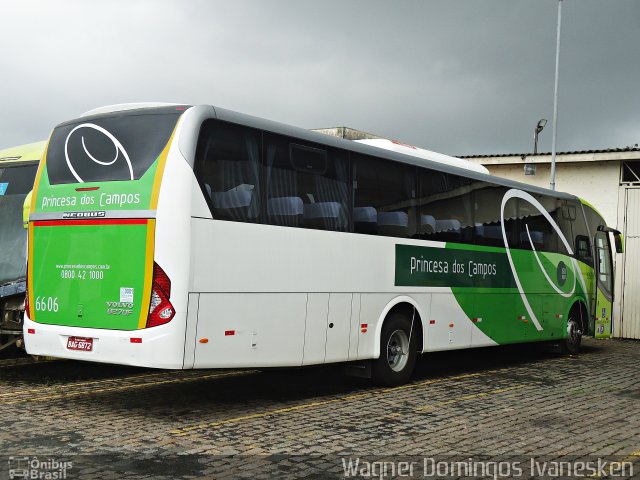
(12, 351)
(394, 367)
(571, 344)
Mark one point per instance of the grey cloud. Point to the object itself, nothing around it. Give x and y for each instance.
(457, 76)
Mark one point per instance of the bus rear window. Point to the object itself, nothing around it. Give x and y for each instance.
(108, 148)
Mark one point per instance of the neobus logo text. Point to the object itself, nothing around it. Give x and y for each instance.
(96, 214)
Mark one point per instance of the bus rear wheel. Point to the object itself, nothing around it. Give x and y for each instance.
(571, 344)
(397, 352)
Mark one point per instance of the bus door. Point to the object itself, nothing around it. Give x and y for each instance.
(603, 304)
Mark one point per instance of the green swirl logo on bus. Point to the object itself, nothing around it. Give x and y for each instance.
(564, 273)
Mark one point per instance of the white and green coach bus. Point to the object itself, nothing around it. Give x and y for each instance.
(18, 167)
(196, 237)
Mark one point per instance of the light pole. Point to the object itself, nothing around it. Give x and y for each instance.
(541, 124)
(552, 182)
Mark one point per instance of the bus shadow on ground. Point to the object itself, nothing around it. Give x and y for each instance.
(270, 388)
(455, 362)
(60, 372)
(205, 389)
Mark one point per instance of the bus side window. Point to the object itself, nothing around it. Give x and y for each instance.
(384, 197)
(594, 220)
(583, 248)
(487, 201)
(306, 185)
(605, 279)
(227, 166)
(535, 231)
(564, 215)
(444, 207)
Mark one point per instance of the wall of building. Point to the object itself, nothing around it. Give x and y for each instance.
(346, 133)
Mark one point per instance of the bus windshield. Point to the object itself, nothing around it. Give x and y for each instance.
(15, 184)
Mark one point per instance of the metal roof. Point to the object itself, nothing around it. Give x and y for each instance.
(574, 152)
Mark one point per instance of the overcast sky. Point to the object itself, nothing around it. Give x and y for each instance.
(455, 76)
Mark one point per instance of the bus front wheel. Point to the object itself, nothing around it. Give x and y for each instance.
(397, 351)
(571, 344)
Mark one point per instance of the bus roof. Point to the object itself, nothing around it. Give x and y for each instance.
(395, 146)
(120, 107)
(23, 153)
(197, 114)
(359, 147)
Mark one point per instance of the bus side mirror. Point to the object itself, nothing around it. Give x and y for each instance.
(617, 238)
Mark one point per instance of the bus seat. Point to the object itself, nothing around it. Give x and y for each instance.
(285, 210)
(447, 225)
(395, 224)
(326, 215)
(427, 224)
(365, 220)
(243, 187)
(493, 231)
(232, 198)
(365, 214)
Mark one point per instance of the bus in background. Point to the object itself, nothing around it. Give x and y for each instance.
(184, 237)
(18, 167)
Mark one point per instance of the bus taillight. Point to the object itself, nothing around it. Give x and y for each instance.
(160, 309)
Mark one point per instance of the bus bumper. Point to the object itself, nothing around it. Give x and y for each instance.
(155, 347)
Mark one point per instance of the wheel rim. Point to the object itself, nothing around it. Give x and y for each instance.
(573, 332)
(398, 350)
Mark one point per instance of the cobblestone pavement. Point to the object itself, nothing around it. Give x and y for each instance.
(501, 404)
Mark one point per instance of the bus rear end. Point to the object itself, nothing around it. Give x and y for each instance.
(95, 290)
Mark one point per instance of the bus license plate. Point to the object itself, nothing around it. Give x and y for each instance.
(80, 343)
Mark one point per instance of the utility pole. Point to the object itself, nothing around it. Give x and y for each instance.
(552, 182)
